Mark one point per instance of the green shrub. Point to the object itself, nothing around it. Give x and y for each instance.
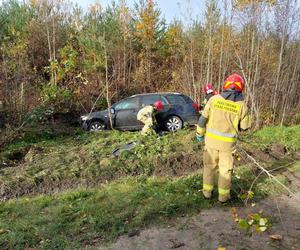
(57, 98)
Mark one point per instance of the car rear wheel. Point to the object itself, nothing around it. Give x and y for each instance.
(96, 126)
(173, 123)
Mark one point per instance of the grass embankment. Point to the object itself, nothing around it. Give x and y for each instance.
(88, 216)
(91, 216)
(289, 137)
(44, 163)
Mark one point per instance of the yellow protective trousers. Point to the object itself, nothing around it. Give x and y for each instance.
(212, 159)
(148, 127)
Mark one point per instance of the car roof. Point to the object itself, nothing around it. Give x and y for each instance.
(157, 93)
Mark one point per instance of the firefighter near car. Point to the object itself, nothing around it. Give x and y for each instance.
(209, 92)
(147, 116)
(223, 117)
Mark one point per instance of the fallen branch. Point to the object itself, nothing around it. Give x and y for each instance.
(252, 184)
(284, 166)
(266, 171)
(279, 213)
(260, 173)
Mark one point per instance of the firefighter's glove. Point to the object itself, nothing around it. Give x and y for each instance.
(200, 133)
(199, 138)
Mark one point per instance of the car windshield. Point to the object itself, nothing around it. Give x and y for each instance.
(131, 103)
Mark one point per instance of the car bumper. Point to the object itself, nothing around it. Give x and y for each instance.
(193, 120)
(84, 125)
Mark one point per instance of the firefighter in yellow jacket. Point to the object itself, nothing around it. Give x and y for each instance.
(224, 115)
(147, 116)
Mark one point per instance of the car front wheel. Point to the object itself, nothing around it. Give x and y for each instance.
(173, 123)
(96, 126)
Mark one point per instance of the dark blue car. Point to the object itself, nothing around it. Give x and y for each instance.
(178, 110)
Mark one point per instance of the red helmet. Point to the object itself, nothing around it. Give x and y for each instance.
(208, 88)
(234, 81)
(216, 92)
(158, 105)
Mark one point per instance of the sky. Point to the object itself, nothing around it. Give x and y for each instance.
(170, 9)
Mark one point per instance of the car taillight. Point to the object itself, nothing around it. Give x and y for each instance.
(196, 107)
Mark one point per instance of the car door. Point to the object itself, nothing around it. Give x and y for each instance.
(150, 99)
(126, 113)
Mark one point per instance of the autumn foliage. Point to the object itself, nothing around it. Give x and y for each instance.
(57, 56)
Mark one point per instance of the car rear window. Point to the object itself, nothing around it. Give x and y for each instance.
(176, 99)
(150, 99)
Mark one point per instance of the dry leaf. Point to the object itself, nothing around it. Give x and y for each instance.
(276, 237)
(262, 229)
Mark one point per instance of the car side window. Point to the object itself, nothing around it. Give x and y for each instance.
(175, 99)
(187, 99)
(131, 103)
(150, 99)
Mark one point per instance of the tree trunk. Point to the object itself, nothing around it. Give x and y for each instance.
(107, 86)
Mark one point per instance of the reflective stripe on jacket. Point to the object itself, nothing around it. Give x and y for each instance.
(224, 118)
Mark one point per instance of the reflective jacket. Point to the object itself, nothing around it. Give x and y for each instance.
(206, 99)
(220, 122)
(145, 113)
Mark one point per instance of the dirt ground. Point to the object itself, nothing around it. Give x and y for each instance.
(215, 228)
